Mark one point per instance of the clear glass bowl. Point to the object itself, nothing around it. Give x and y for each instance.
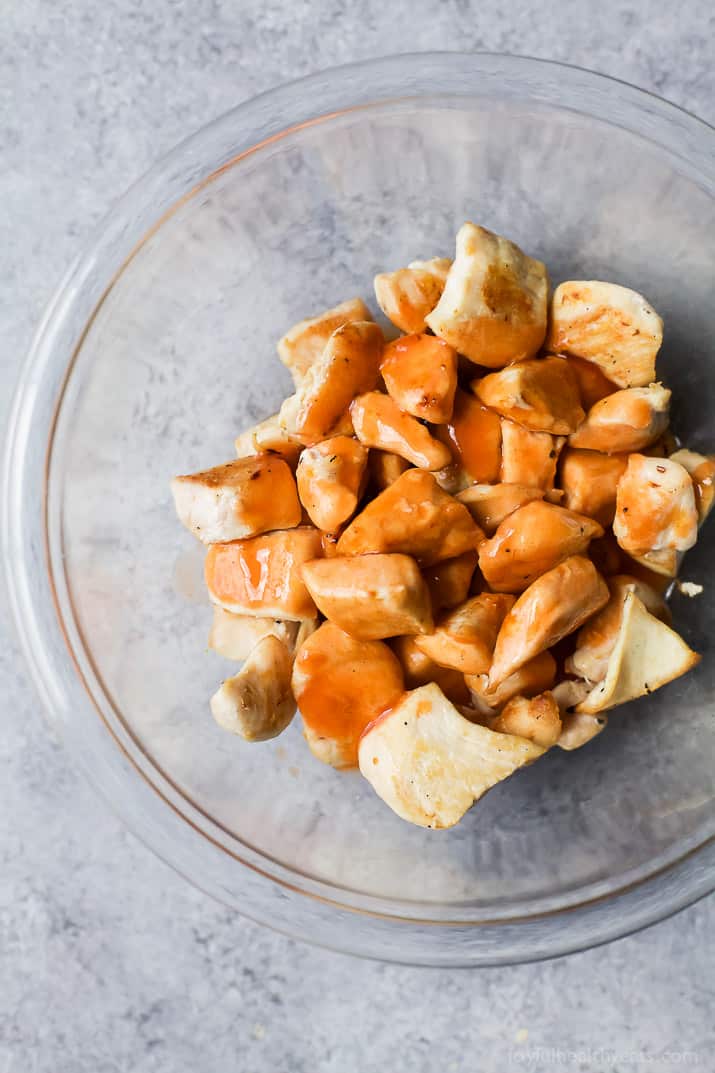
(160, 346)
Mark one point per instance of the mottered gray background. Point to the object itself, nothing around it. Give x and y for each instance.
(109, 962)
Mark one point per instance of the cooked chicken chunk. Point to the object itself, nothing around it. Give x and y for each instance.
(236, 636)
(530, 541)
(413, 516)
(419, 670)
(448, 581)
(408, 295)
(532, 678)
(430, 764)
(490, 504)
(493, 307)
(553, 606)
(592, 384)
(655, 507)
(702, 473)
(239, 499)
(341, 685)
(647, 654)
(348, 365)
(268, 436)
(578, 729)
(384, 468)
(331, 476)
(627, 420)
(474, 437)
(609, 325)
(537, 719)
(420, 373)
(589, 480)
(304, 343)
(541, 394)
(529, 458)
(464, 638)
(379, 422)
(262, 576)
(257, 703)
(371, 596)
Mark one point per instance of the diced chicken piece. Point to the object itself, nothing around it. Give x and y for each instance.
(537, 719)
(331, 476)
(490, 504)
(452, 478)
(379, 422)
(627, 420)
(473, 434)
(578, 728)
(568, 693)
(530, 541)
(647, 655)
(593, 385)
(268, 436)
(371, 596)
(257, 703)
(528, 457)
(415, 517)
(408, 295)
(349, 365)
(541, 394)
(420, 373)
(384, 468)
(464, 638)
(702, 473)
(239, 499)
(236, 636)
(597, 638)
(655, 507)
(448, 582)
(304, 343)
(605, 554)
(533, 678)
(658, 568)
(609, 325)
(341, 685)
(494, 304)
(419, 670)
(262, 576)
(430, 764)
(589, 480)
(552, 607)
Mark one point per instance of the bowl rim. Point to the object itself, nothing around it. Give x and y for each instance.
(32, 424)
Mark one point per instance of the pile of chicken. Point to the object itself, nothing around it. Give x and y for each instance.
(449, 549)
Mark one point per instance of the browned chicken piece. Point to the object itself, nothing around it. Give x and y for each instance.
(490, 504)
(596, 639)
(589, 480)
(568, 693)
(609, 325)
(541, 394)
(464, 638)
(474, 437)
(552, 607)
(384, 468)
(702, 473)
(341, 685)
(408, 295)
(593, 385)
(448, 581)
(419, 669)
(529, 458)
(430, 764)
(269, 437)
(257, 703)
(655, 507)
(235, 636)
(537, 719)
(494, 304)
(371, 596)
(532, 540)
(331, 477)
(262, 576)
(420, 373)
(239, 499)
(654, 565)
(379, 422)
(627, 420)
(536, 676)
(452, 478)
(348, 365)
(305, 342)
(415, 517)
(578, 728)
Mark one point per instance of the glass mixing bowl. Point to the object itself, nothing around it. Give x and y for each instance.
(160, 346)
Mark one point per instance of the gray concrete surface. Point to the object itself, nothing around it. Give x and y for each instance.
(109, 961)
